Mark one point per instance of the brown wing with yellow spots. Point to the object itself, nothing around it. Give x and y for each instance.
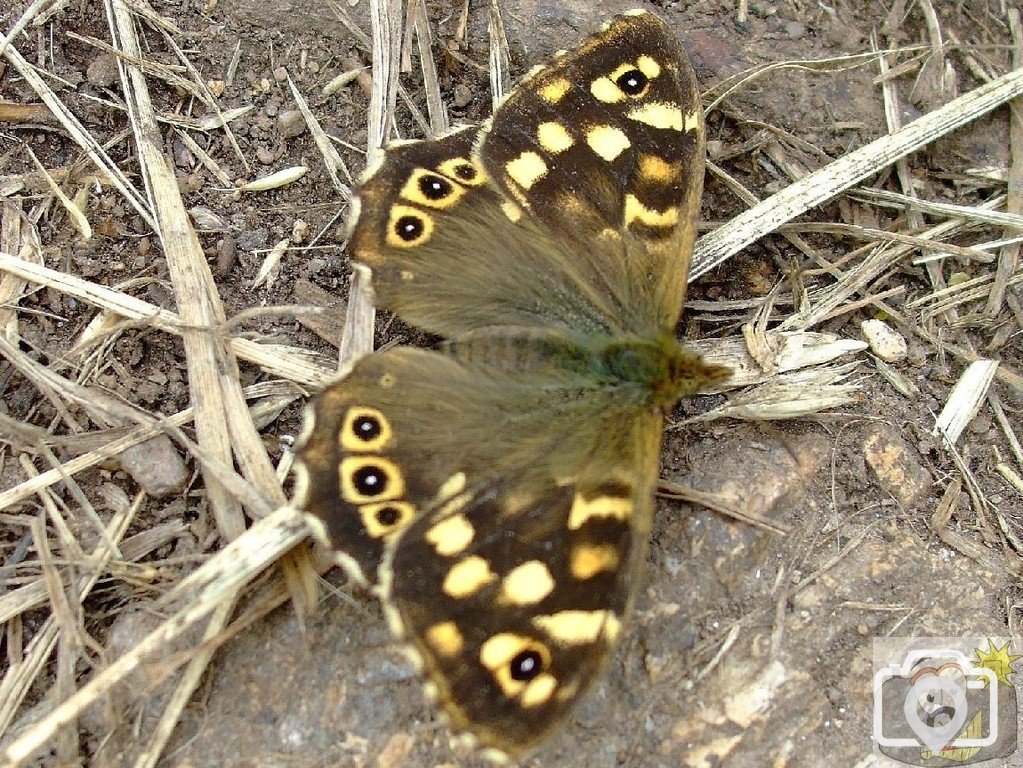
(606, 143)
(575, 207)
(451, 253)
(513, 598)
(409, 429)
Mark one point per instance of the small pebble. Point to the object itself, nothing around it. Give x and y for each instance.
(462, 95)
(290, 123)
(884, 342)
(102, 71)
(264, 155)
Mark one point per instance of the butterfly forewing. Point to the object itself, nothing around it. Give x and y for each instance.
(605, 147)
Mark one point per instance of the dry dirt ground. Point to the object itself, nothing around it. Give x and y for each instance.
(747, 647)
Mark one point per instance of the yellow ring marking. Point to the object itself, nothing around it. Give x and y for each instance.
(527, 584)
(393, 488)
(397, 212)
(351, 441)
(467, 577)
(449, 168)
(498, 650)
(376, 529)
(412, 192)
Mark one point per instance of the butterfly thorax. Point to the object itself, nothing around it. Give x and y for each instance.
(659, 370)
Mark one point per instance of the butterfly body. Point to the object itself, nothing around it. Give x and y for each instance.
(497, 492)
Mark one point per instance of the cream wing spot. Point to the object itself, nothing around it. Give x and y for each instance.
(607, 141)
(588, 560)
(553, 137)
(579, 627)
(692, 121)
(583, 509)
(657, 170)
(526, 169)
(451, 536)
(538, 691)
(512, 211)
(648, 66)
(467, 577)
(452, 486)
(555, 90)
(445, 638)
(605, 90)
(635, 211)
(527, 584)
(658, 115)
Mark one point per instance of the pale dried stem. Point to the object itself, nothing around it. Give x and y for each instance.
(823, 184)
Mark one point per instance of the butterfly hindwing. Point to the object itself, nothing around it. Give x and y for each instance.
(513, 595)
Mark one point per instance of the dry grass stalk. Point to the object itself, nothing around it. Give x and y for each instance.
(274, 400)
(82, 137)
(500, 60)
(21, 675)
(965, 399)
(823, 184)
(884, 198)
(218, 579)
(435, 107)
(291, 363)
(17, 235)
(1008, 258)
(331, 159)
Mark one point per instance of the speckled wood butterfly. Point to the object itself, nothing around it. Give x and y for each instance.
(497, 492)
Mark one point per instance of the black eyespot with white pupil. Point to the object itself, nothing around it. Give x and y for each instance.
(369, 480)
(367, 428)
(388, 516)
(526, 665)
(434, 187)
(409, 228)
(633, 82)
(465, 171)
